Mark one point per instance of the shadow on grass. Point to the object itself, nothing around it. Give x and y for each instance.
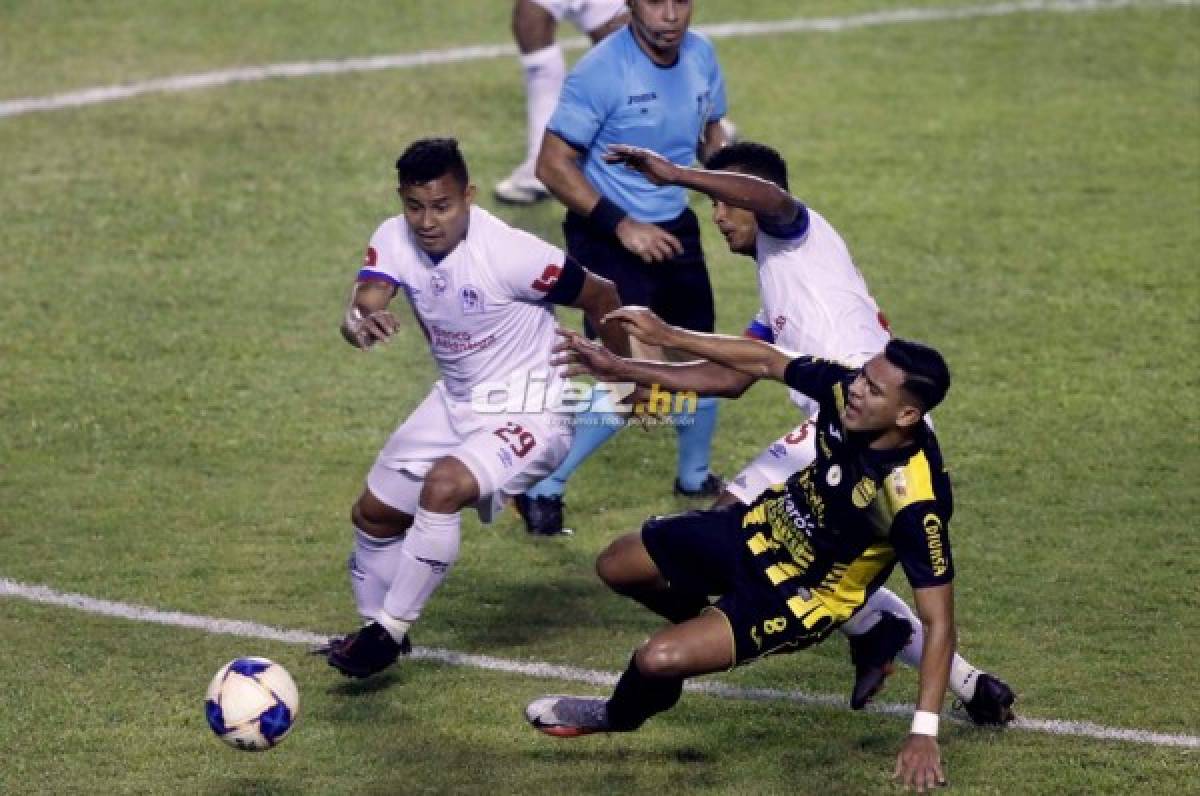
(266, 786)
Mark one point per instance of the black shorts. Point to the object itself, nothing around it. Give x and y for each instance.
(704, 553)
(678, 289)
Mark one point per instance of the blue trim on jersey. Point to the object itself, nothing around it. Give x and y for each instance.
(760, 331)
(369, 275)
(797, 229)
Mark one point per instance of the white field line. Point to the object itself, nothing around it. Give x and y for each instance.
(593, 677)
(224, 77)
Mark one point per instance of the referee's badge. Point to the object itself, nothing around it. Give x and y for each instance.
(864, 493)
(833, 476)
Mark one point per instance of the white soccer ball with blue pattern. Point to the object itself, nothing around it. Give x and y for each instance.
(252, 703)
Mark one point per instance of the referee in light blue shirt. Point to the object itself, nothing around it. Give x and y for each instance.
(652, 84)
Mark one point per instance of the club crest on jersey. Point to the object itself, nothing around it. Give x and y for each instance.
(864, 492)
(438, 284)
(471, 298)
(833, 476)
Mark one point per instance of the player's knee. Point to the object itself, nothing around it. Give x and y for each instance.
(612, 566)
(607, 567)
(661, 658)
(448, 487)
(726, 498)
(377, 519)
(533, 27)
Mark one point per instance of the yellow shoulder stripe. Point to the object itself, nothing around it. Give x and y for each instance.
(909, 484)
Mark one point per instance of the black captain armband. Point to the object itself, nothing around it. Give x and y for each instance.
(606, 215)
(568, 283)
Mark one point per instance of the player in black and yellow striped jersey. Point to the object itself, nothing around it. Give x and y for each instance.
(799, 560)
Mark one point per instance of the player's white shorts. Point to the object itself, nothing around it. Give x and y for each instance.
(507, 453)
(791, 452)
(587, 15)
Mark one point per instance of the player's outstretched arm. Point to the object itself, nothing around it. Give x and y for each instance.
(752, 357)
(919, 764)
(367, 320)
(558, 168)
(597, 298)
(585, 357)
(762, 197)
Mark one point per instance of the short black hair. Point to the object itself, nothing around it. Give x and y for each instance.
(752, 158)
(926, 375)
(430, 158)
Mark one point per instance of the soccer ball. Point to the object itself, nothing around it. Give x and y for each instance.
(252, 703)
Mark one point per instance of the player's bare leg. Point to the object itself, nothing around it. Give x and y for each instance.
(726, 498)
(652, 683)
(627, 568)
(428, 549)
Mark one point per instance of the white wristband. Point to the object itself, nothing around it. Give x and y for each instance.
(924, 723)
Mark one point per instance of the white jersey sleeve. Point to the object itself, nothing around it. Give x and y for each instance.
(384, 259)
(529, 268)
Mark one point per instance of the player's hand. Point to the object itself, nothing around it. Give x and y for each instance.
(651, 165)
(919, 764)
(364, 331)
(649, 241)
(641, 323)
(584, 357)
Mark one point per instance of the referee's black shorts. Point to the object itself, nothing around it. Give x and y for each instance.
(678, 290)
(704, 554)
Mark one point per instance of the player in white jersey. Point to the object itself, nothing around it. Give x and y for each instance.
(483, 295)
(534, 24)
(814, 302)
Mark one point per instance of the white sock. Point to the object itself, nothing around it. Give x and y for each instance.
(372, 567)
(882, 599)
(962, 673)
(962, 678)
(545, 71)
(429, 550)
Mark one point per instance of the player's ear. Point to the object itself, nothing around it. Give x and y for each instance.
(908, 415)
(469, 193)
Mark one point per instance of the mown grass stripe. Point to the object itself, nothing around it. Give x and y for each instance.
(236, 627)
(225, 77)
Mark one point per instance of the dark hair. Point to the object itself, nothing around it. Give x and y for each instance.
(926, 375)
(430, 158)
(751, 158)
